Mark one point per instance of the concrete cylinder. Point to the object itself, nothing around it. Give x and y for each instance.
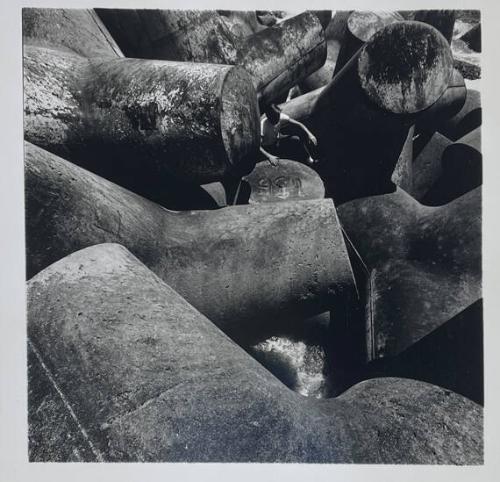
(280, 56)
(241, 23)
(239, 266)
(288, 181)
(362, 118)
(360, 27)
(148, 378)
(183, 35)
(276, 58)
(139, 120)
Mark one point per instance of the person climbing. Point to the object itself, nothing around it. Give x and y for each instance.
(275, 125)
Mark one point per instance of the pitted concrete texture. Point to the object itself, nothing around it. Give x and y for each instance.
(239, 265)
(148, 378)
(424, 264)
(154, 119)
(405, 67)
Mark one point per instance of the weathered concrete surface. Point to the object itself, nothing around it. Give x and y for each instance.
(151, 379)
(53, 433)
(470, 70)
(183, 35)
(141, 120)
(416, 78)
(78, 30)
(241, 23)
(238, 266)
(424, 264)
(360, 27)
(279, 57)
(276, 58)
(466, 120)
(288, 181)
(360, 140)
(462, 170)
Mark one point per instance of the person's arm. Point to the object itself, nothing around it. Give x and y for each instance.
(273, 160)
(292, 127)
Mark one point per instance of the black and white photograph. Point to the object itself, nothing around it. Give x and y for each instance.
(253, 236)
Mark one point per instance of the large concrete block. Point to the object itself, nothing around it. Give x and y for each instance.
(141, 122)
(424, 264)
(146, 377)
(239, 266)
(276, 58)
(362, 118)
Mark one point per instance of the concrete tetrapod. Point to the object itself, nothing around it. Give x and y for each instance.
(362, 118)
(238, 265)
(141, 121)
(276, 58)
(146, 377)
(424, 264)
